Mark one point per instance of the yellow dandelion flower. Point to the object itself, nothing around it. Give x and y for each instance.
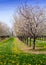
(29, 64)
(40, 61)
(4, 63)
(17, 63)
(13, 61)
(36, 64)
(1, 63)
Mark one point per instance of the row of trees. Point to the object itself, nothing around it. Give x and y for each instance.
(30, 22)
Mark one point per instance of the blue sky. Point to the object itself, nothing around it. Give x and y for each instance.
(8, 7)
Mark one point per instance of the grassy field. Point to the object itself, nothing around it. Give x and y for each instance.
(12, 53)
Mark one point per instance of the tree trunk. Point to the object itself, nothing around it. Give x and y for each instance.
(27, 40)
(23, 39)
(34, 43)
(30, 41)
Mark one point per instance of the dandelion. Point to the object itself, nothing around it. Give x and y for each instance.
(40, 61)
(36, 64)
(4, 63)
(13, 61)
(1, 63)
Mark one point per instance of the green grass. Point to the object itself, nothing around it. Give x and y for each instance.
(6, 45)
(39, 43)
(8, 57)
(22, 59)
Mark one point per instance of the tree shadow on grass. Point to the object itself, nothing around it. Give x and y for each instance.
(41, 49)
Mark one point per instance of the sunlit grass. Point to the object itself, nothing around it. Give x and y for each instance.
(18, 45)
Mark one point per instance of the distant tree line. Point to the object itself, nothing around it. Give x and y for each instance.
(4, 30)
